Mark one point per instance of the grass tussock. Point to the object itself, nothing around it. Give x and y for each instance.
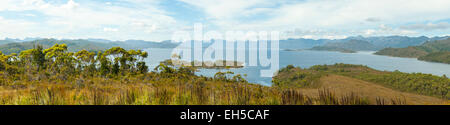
(154, 90)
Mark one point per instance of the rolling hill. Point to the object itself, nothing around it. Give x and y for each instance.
(343, 45)
(79, 44)
(410, 52)
(6, 42)
(348, 46)
(347, 79)
(301, 43)
(397, 41)
(74, 45)
(433, 51)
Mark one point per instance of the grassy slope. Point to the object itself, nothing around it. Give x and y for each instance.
(158, 89)
(342, 81)
(341, 85)
(175, 89)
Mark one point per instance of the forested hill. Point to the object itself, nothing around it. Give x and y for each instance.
(434, 51)
(74, 45)
(80, 44)
(349, 46)
(357, 43)
(345, 45)
(397, 41)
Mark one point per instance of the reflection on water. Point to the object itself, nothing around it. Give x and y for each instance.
(306, 59)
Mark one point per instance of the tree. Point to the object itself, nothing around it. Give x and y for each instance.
(60, 60)
(222, 75)
(3, 61)
(38, 57)
(86, 61)
(105, 64)
(136, 58)
(119, 55)
(33, 58)
(142, 68)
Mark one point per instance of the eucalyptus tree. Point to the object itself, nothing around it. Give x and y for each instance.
(60, 60)
(120, 59)
(86, 61)
(136, 60)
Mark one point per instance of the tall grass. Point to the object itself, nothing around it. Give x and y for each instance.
(149, 91)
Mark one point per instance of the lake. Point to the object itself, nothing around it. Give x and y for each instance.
(306, 59)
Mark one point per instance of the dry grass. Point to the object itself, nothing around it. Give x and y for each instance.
(153, 89)
(341, 85)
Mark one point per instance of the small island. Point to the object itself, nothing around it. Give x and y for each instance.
(293, 49)
(330, 48)
(218, 64)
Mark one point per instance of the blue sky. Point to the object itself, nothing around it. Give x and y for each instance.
(156, 20)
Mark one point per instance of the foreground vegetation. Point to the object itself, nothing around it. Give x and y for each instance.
(116, 76)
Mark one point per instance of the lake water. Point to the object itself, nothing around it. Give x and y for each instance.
(306, 59)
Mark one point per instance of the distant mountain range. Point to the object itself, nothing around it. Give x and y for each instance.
(357, 43)
(434, 51)
(397, 41)
(348, 46)
(9, 46)
(303, 43)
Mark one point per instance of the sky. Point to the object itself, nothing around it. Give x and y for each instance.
(157, 20)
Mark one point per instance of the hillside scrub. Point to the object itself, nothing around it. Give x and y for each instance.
(419, 83)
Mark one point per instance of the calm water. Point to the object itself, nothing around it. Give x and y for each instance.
(306, 59)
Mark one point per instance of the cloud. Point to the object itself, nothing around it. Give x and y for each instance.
(329, 15)
(386, 30)
(14, 28)
(70, 5)
(373, 19)
(158, 19)
(84, 19)
(227, 9)
(106, 29)
(427, 27)
(381, 30)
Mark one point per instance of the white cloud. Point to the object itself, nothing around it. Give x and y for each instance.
(324, 14)
(226, 9)
(75, 19)
(427, 27)
(106, 29)
(70, 5)
(386, 30)
(15, 28)
(145, 19)
(381, 30)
